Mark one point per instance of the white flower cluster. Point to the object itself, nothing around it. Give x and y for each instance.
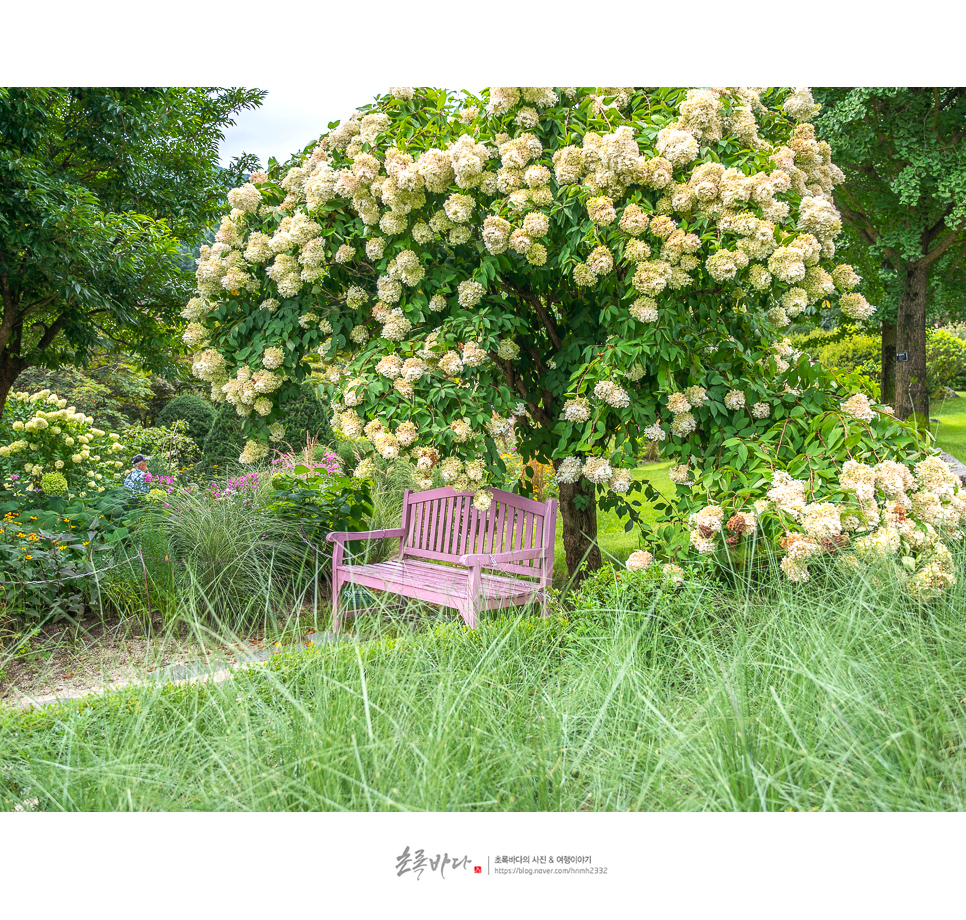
(577, 410)
(470, 293)
(273, 358)
(597, 470)
(858, 406)
(855, 306)
(639, 560)
(645, 310)
(612, 394)
(569, 470)
(680, 474)
(896, 514)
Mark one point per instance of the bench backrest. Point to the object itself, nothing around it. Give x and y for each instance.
(442, 525)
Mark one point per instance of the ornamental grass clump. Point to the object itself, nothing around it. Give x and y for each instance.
(237, 560)
(681, 232)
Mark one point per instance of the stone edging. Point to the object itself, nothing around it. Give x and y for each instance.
(958, 468)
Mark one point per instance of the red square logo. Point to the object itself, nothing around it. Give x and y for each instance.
(478, 870)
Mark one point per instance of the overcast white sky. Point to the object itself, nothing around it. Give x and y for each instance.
(321, 61)
(293, 115)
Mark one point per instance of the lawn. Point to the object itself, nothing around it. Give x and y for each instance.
(950, 431)
(615, 544)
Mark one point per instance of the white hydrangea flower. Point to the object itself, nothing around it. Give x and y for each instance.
(482, 500)
(683, 424)
(855, 306)
(253, 452)
(577, 410)
(273, 357)
(569, 470)
(678, 402)
(676, 146)
(639, 560)
(621, 481)
(858, 407)
(680, 474)
(598, 470)
(459, 208)
(470, 293)
(612, 394)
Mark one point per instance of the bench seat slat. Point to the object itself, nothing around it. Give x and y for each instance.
(445, 583)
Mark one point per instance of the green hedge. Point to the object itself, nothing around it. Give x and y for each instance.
(847, 350)
(199, 414)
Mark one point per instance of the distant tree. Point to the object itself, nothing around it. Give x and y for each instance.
(904, 201)
(102, 192)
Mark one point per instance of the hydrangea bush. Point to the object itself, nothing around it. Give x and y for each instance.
(42, 436)
(612, 267)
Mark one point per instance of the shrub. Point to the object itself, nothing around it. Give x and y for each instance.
(850, 352)
(305, 421)
(845, 349)
(945, 358)
(170, 449)
(53, 484)
(40, 433)
(306, 418)
(49, 545)
(197, 413)
(114, 392)
(241, 548)
(225, 441)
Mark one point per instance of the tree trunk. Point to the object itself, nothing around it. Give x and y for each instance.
(888, 386)
(912, 392)
(10, 368)
(578, 508)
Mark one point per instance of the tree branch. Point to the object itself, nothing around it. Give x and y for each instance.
(51, 333)
(534, 301)
(865, 227)
(515, 383)
(938, 250)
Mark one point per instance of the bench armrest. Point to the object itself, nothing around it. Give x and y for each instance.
(517, 555)
(341, 537)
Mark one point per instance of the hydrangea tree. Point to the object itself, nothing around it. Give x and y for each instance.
(602, 268)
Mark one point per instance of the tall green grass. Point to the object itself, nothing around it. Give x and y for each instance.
(837, 696)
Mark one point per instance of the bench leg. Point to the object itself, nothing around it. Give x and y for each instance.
(336, 619)
(468, 612)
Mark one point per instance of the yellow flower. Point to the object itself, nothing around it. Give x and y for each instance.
(86, 543)
(28, 556)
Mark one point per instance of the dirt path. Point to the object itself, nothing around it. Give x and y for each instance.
(57, 665)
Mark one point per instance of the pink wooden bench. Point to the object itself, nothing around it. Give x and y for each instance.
(455, 556)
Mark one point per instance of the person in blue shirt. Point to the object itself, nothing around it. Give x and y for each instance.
(135, 479)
